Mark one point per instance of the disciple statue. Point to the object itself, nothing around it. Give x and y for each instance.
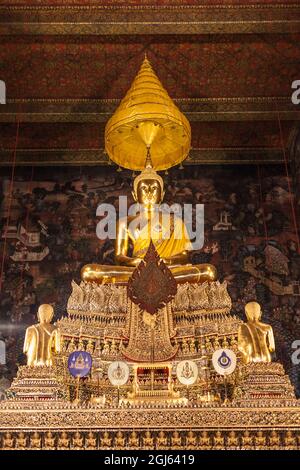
(42, 339)
(168, 234)
(255, 339)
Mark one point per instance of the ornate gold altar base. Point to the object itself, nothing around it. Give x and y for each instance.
(41, 425)
(262, 413)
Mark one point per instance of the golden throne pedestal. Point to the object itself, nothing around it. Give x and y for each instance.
(101, 320)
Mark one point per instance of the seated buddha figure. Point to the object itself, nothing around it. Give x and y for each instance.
(255, 339)
(168, 234)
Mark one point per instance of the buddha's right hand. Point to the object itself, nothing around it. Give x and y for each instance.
(135, 262)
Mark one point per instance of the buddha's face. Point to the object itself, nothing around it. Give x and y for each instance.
(149, 192)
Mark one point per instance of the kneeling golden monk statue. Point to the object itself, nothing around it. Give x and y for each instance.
(170, 239)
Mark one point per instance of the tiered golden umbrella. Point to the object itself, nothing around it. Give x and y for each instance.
(147, 120)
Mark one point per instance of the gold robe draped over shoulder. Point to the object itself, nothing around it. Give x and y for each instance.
(167, 243)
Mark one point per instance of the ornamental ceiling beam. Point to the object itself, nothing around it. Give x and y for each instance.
(114, 21)
(196, 110)
(142, 28)
(197, 156)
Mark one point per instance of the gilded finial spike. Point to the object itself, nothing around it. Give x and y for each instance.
(148, 163)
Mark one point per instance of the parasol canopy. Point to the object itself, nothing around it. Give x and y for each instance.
(147, 119)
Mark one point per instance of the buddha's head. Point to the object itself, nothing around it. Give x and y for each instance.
(45, 313)
(253, 311)
(148, 188)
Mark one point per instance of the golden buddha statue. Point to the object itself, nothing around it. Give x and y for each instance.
(43, 339)
(274, 439)
(21, 441)
(35, 441)
(148, 441)
(63, 441)
(247, 439)
(289, 440)
(232, 439)
(218, 440)
(204, 440)
(91, 441)
(259, 439)
(175, 439)
(77, 441)
(191, 440)
(133, 440)
(105, 441)
(171, 240)
(161, 440)
(49, 441)
(148, 132)
(8, 441)
(255, 339)
(120, 440)
(90, 346)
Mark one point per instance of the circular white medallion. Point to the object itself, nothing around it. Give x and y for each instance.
(118, 373)
(224, 361)
(187, 372)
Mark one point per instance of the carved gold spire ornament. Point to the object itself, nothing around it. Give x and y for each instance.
(147, 120)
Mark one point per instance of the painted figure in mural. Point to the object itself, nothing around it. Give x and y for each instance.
(173, 248)
(255, 339)
(42, 339)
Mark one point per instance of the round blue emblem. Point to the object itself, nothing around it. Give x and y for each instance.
(224, 361)
(79, 363)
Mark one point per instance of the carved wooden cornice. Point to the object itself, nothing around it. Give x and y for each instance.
(69, 157)
(196, 109)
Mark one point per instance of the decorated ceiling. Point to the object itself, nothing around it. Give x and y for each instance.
(229, 66)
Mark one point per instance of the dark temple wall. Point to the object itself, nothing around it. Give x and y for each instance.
(52, 232)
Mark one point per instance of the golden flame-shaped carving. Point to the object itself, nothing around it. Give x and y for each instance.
(147, 119)
(152, 284)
